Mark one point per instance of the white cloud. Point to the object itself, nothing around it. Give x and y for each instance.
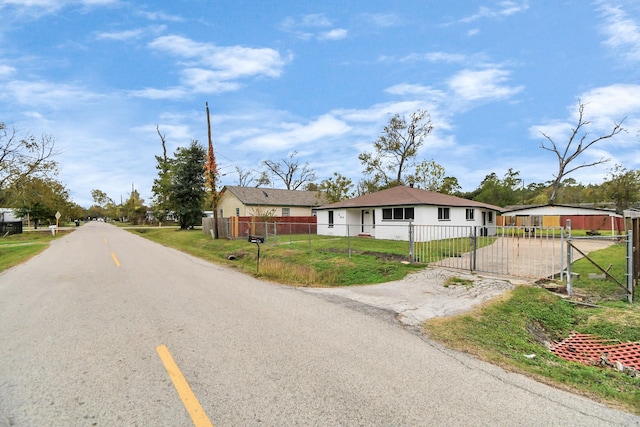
(160, 16)
(603, 108)
(293, 135)
(208, 68)
(482, 85)
(42, 93)
(312, 26)
(6, 71)
(611, 103)
(230, 62)
(174, 93)
(337, 34)
(121, 35)
(622, 32)
(43, 7)
(503, 9)
(382, 20)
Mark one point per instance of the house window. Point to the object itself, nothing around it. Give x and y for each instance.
(286, 211)
(398, 213)
(470, 213)
(443, 214)
(408, 213)
(237, 211)
(490, 217)
(330, 219)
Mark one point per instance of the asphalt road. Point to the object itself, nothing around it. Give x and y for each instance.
(84, 327)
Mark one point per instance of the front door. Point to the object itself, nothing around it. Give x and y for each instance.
(368, 220)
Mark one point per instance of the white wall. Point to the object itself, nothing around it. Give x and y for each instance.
(399, 229)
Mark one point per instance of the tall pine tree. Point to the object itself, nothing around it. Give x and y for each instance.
(188, 184)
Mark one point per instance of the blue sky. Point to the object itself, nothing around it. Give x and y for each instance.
(319, 78)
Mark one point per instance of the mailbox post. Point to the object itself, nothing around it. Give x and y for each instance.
(257, 240)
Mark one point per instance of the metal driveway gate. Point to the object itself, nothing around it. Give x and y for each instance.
(531, 252)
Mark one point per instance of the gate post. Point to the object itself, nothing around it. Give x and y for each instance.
(411, 243)
(569, 250)
(472, 247)
(630, 269)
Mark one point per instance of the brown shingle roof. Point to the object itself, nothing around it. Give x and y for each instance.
(407, 196)
(275, 196)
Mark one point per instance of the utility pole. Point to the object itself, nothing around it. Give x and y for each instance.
(211, 175)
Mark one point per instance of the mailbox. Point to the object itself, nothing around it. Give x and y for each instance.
(256, 239)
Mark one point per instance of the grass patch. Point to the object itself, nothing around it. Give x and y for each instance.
(17, 248)
(457, 281)
(520, 324)
(298, 260)
(602, 290)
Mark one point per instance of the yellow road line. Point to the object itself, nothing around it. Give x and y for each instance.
(189, 399)
(115, 259)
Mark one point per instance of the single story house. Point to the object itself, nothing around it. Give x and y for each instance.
(258, 202)
(582, 218)
(386, 214)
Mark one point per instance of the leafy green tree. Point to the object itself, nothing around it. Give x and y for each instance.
(336, 188)
(431, 176)
(188, 184)
(623, 187)
(450, 185)
(103, 205)
(161, 187)
(500, 192)
(39, 199)
(395, 150)
(23, 156)
(134, 209)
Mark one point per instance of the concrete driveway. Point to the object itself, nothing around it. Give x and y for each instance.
(423, 295)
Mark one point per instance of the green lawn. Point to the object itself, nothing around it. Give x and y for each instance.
(299, 260)
(17, 248)
(505, 331)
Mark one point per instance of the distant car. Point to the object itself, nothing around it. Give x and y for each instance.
(100, 219)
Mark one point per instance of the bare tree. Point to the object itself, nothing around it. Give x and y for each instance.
(569, 153)
(23, 156)
(248, 178)
(290, 172)
(396, 148)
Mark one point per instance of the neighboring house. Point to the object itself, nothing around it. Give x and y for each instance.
(8, 215)
(387, 213)
(259, 202)
(582, 218)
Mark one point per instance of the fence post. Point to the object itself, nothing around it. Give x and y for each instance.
(630, 268)
(569, 251)
(348, 241)
(473, 245)
(275, 233)
(411, 243)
